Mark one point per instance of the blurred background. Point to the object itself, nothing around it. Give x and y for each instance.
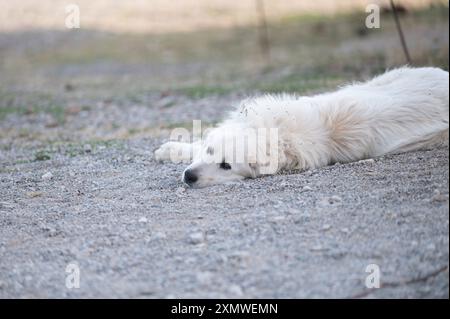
(137, 67)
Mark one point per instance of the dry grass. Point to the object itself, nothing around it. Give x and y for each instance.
(162, 16)
(200, 48)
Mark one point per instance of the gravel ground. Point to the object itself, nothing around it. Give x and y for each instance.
(82, 112)
(135, 231)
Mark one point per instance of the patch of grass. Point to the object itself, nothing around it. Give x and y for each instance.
(120, 65)
(7, 110)
(299, 84)
(42, 155)
(22, 103)
(133, 131)
(21, 161)
(56, 111)
(75, 149)
(71, 149)
(200, 91)
(313, 80)
(187, 125)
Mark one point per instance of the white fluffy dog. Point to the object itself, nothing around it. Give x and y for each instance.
(402, 110)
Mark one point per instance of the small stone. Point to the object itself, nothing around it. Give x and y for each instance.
(159, 235)
(196, 238)
(276, 219)
(50, 231)
(69, 87)
(367, 161)
(318, 248)
(205, 277)
(143, 220)
(438, 197)
(87, 148)
(235, 290)
(334, 199)
(34, 194)
(6, 205)
(181, 190)
(345, 230)
(294, 211)
(47, 176)
(306, 189)
(326, 227)
(240, 255)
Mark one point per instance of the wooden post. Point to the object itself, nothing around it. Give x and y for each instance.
(263, 31)
(400, 32)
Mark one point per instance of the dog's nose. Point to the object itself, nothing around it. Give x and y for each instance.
(190, 177)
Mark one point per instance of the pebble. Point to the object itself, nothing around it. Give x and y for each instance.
(34, 194)
(240, 255)
(6, 205)
(334, 199)
(318, 248)
(235, 290)
(438, 197)
(196, 238)
(159, 235)
(181, 190)
(87, 148)
(276, 219)
(50, 231)
(367, 161)
(326, 227)
(205, 277)
(47, 176)
(143, 220)
(307, 189)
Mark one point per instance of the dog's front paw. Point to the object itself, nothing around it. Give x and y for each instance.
(163, 152)
(173, 151)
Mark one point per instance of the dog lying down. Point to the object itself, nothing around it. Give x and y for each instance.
(402, 110)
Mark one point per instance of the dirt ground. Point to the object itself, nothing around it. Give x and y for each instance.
(81, 112)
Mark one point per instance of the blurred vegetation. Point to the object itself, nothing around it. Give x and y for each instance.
(41, 70)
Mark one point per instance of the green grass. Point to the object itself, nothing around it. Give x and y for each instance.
(224, 60)
(22, 103)
(42, 155)
(302, 82)
(200, 91)
(56, 111)
(73, 149)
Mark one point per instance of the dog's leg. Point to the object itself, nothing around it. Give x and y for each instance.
(176, 152)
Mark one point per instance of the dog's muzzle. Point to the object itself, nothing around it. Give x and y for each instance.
(189, 177)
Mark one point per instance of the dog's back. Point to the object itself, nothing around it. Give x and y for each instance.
(402, 110)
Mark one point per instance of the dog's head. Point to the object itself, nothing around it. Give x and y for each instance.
(232, 153)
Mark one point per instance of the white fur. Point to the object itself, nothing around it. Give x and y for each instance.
(402, 110)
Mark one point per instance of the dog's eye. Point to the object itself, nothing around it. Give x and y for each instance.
(224, 165)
